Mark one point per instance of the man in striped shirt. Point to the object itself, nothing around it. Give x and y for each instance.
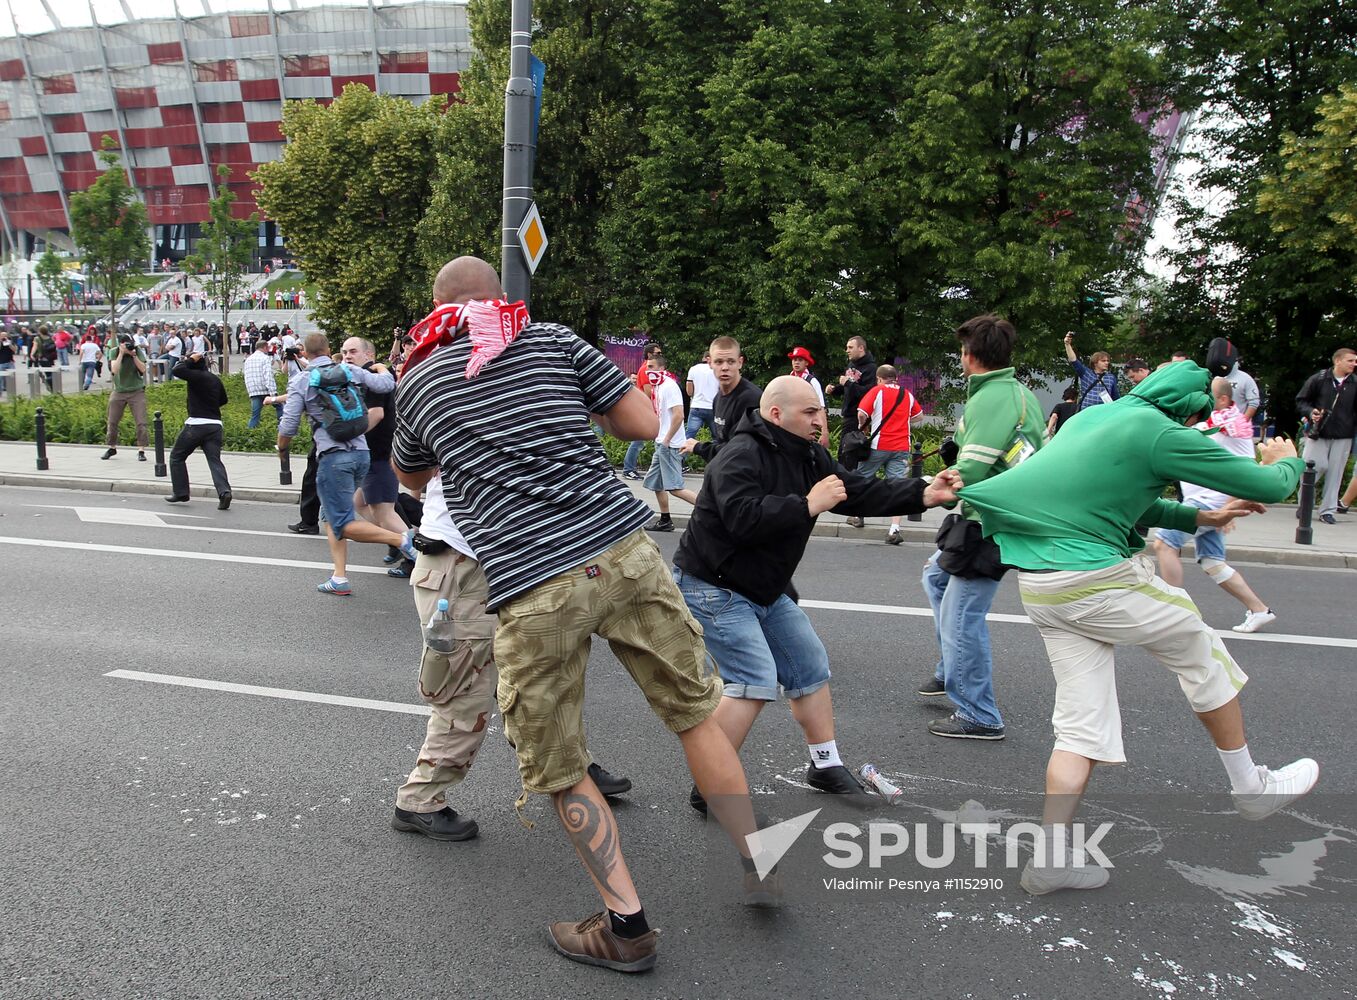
(559, 540)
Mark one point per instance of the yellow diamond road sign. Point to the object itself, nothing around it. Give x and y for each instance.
(532, 237)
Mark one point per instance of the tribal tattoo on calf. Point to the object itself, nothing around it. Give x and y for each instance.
(583, 819)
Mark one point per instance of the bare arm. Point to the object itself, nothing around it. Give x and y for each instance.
(632, 418)
(1069, 348)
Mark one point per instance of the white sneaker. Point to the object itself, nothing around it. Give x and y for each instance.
(1040, 881)
(1280, 789)
(1255, 620)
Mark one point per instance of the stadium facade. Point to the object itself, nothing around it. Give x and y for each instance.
(183, 94)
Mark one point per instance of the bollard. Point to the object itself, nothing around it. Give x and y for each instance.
(160, 470)
(285, 468)
(916, 469)
(40, 425)
(1304, 532)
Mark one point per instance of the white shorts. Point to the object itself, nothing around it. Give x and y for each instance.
(1082, 617)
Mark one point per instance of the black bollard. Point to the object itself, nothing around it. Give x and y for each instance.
(285, 468)
(160, 470)
(1305, 534)
(916, 469)
(40, 427)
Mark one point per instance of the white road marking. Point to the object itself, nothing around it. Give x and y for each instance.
(268, 692)
(874, 609)
(153, 519)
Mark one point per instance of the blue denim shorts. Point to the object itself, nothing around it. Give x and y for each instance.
(338, 476)
(666, 470)
(380, 485)
(1207, 543)
(896, 464)
(757, 648)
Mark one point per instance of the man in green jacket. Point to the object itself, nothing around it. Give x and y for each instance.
(1001, 426)
(127, 362)
(1067, 519)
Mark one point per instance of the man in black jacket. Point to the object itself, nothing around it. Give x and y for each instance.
(735, 562)
(1328, 400)
(202, 429)
(737, 398)
(855, 382)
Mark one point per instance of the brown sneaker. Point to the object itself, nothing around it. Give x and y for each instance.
(764, 893)
(593, 942)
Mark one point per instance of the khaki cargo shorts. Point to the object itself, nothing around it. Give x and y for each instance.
(627, 596)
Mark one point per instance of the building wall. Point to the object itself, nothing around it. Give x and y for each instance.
(186, 95)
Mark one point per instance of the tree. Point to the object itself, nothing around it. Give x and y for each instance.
(52, 279)
(108, 224)
(223, 254)
(349, 192)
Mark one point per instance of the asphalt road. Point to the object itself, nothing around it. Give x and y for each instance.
(168, 841)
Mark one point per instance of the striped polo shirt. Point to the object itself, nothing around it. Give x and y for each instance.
(525, 477)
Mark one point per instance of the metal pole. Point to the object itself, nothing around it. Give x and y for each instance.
(40, 426)
(916, 470)
(160, 470)
(518, 154)
(1304, 532)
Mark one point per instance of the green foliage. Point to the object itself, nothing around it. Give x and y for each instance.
(108, 224)
(83, 419)
(52, 278)
(349, 192)
(223, 253)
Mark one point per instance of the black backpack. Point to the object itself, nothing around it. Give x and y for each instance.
(343, 412)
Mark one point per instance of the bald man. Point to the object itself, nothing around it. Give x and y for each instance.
(760, 498)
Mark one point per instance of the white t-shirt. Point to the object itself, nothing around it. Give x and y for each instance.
(174, 347)
(89, 352)
(1214, 499)
(438, 523)
(705, 386)
(667, 396)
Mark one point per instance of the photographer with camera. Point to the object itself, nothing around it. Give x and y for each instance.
(1328, 405)
(202, 429)
(261, 383)
(127, 365)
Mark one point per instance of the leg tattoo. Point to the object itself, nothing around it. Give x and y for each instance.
(582, 819)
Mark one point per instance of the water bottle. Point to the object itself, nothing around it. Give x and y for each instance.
(877, 782)
(438, 635)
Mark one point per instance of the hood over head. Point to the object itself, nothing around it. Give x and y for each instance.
(1180, 390)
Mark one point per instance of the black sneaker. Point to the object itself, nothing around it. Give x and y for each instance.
(302, 528)
(838, 780)
(403, 571)
(660, 524)
(635, 476)
(141, 456)
(696, 800)
(608, 783)
(893, 538)
(176, 499)
(932, 688)
(957, 728)
(854, 522)
(108, 454)
(224, 502)
(442, 825)
(1343, 508)
(1328, 519)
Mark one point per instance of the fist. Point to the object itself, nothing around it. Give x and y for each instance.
(687, 447)
(825, 495)
(1275, 449)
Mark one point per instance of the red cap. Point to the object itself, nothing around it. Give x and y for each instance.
(801, 352)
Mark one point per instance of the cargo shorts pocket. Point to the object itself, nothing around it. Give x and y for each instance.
(641, 559)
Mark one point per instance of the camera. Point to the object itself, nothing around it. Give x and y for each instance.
(125, 340)
(292, 353)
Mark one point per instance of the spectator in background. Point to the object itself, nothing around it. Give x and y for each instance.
(633, 455)
(89, 361)
(261, 383)
(885, 414)
(62, 339)
(1096, 382)
(1328, 404)
(855, 382)
(802, 363)
(1244, 391)
(666, 463)
(1137, 371)
(702, 389)
(1063, 410)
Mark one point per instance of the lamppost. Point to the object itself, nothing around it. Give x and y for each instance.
(518, 155)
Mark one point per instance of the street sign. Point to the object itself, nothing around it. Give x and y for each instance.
(532, 238)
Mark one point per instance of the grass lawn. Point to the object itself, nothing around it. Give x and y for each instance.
(285, 281)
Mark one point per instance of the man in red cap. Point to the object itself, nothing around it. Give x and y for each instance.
(802, 362)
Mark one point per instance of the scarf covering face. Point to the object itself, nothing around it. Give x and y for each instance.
(491, 325)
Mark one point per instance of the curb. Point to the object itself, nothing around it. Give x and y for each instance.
(158, 488)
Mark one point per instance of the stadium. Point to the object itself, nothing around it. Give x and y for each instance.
(184, 86)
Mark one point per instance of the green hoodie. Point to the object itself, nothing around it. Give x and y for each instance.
(1076, 503)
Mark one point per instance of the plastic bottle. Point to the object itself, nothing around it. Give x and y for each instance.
(878, 783)
(438, 634)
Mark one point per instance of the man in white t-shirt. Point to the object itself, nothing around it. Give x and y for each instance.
(1234, 433)
(702, 390)
(89, 360)
(174, 353)
(458, 685)
(666, 466)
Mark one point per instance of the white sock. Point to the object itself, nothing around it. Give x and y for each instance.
(895, 529)
(825, 754)
(1243, 772)
(339, 580)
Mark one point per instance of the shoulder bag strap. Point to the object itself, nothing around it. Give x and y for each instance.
(886, 419)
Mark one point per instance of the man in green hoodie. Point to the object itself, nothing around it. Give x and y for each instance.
(1088, 589)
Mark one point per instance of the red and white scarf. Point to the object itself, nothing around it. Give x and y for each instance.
(491, 325)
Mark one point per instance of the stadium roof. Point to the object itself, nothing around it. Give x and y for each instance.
(35, 17)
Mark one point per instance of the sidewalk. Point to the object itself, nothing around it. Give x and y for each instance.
(1267, 538)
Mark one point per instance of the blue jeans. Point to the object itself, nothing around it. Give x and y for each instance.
(959, 609)
(257, 407)
(62, 356)
(88, 368)
(338, 476)
(633, 456)
(757, 648)
(896, 464)
(697, 419)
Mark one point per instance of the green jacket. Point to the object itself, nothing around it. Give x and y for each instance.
(127, 378)
(1075, 505)
(997, 404)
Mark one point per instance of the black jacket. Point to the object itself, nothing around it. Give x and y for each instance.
(727, 412)
(206, 394)
(1339, 404)
(853, 392)
(751, 523)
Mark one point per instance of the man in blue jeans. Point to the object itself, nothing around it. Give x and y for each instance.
(1001, 422)
(748, 531)
(341, 465)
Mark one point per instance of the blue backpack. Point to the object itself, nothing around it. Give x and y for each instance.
(343, 412)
